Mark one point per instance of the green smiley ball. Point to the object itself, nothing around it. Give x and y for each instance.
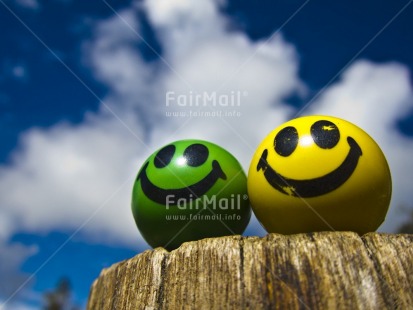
(189, 190)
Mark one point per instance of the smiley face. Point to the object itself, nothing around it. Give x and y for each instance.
(188, 190)
(319, 173)
(194, 155)
(325, 135)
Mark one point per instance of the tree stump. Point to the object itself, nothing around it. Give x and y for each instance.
(326, 270)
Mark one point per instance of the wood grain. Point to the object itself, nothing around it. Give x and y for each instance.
(327, 270)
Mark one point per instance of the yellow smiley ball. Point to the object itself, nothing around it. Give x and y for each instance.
(318, 173)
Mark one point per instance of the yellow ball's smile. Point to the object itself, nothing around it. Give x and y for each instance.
(312, 187)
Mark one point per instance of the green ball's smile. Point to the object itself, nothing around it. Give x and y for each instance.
(188, 193)
(313, 187)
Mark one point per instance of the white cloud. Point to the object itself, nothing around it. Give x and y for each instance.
(375, 97)
(206, 58)
(63, 175)
(224, 71)
(115, 60)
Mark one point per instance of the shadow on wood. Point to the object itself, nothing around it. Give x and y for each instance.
(328, 270)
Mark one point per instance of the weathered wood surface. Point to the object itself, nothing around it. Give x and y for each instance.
(330, 270)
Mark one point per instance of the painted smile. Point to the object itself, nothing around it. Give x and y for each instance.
(189, 193)
(312, 187)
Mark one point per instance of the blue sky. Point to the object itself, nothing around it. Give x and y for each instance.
(82, 104)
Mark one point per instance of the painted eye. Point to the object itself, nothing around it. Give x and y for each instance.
(286, 141)
(325, 134)
(164, 156)
(196, 154)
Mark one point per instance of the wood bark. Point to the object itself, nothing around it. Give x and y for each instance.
(327, 270)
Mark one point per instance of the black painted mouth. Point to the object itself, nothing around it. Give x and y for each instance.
(188, 193)
(313, 187)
